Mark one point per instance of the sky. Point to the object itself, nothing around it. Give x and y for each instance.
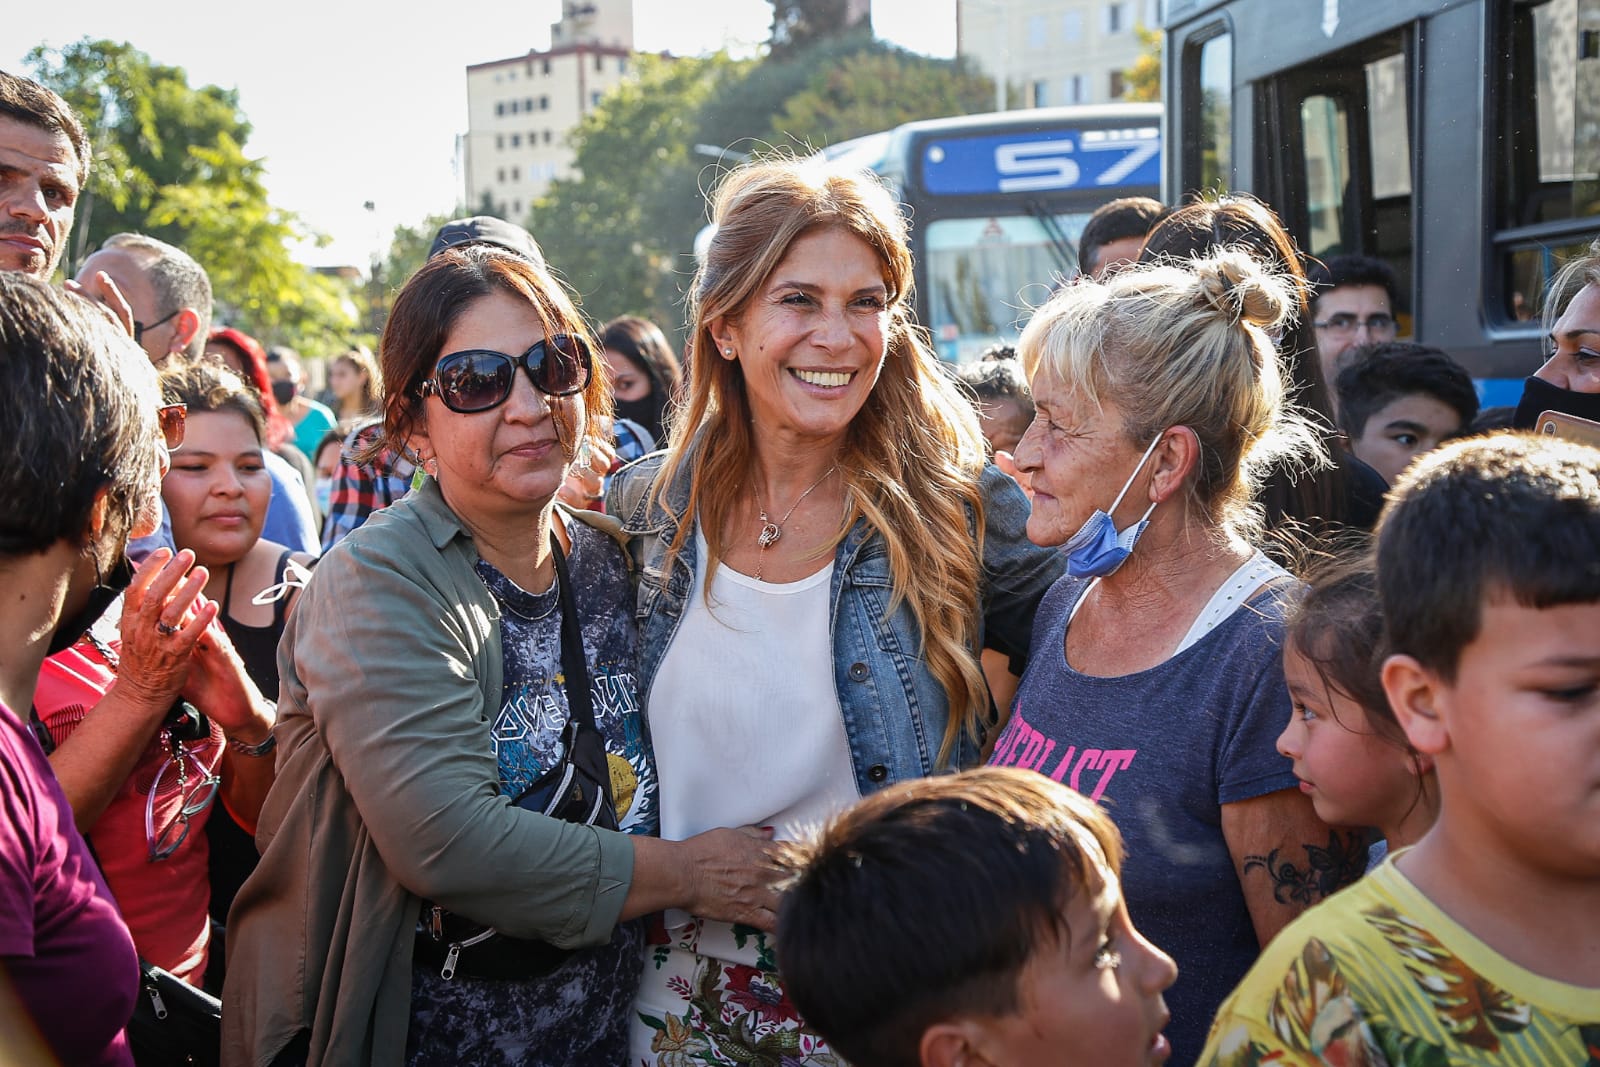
(352, 103)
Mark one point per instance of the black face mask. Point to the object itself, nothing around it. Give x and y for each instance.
(1539, 396)
(646, 411)
(284, 390)
(106, 590)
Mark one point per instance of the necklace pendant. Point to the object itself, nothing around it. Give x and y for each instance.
(769, 534)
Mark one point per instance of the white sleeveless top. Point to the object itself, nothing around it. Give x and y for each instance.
(744, 717)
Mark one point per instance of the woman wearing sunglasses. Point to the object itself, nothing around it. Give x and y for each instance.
(447, 660)
(824, 553)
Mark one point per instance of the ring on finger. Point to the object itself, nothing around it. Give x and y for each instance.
(165, 628)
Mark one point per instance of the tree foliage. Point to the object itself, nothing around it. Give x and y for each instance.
(169, 161)
(799, 24)
(1143, 79)
(622, 231)
(877, 89)
(619, 233)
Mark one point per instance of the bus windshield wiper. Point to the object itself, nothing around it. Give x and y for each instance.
(1066, 254)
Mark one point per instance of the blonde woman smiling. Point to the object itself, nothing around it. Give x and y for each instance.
(823, 553)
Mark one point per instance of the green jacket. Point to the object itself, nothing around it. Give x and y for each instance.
(387, 792)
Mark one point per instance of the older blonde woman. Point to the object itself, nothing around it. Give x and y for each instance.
(823, 553)
(1156, 679)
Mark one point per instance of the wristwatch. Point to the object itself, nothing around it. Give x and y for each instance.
(254, 751)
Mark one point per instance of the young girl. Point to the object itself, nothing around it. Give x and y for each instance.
(1349, 752)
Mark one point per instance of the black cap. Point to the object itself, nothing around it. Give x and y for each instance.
(488, 230)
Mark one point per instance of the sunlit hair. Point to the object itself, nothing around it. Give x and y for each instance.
(911, 458)
(1569, 281)
(427, 309)
(925, 902)
(1238, 220)
(78, 401)
(177, 279)
(1299, 504)
(361, 359)
(209, 386)
(1185, 347)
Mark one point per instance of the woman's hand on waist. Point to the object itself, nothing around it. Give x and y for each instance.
(729, 875)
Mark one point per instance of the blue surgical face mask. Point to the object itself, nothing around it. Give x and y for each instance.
(324, 491)
(1099, 548)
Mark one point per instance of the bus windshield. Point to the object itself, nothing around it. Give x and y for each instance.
(984, 275)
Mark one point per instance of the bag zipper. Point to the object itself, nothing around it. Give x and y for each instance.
(448, 971)
(154, 992)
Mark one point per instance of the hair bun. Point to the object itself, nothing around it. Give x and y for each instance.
(1240, 288)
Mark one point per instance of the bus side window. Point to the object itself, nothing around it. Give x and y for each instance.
(1208, 96)
(1326, 129)
(1340, 171)
(1550, 166)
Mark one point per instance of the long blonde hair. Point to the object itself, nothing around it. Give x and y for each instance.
(913, 455)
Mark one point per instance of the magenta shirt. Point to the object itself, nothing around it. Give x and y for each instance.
(64, 949)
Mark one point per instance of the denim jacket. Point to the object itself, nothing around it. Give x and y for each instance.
(894, 709)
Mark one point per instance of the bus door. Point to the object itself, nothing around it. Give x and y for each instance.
(1547, 148)
(1341, 173)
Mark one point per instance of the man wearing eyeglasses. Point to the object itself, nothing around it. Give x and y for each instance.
(169, 296)
(1352, 304)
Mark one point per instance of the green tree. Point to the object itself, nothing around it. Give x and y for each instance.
(618, 231)
(798, 24)
(876, 90)
(622, 230)
(169, 161)
(1143, 79)
(408, 250)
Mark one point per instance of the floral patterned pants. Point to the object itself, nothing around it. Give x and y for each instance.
(696, 1008)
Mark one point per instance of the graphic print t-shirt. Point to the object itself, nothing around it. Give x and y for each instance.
(578, 1014)
(1164, 749)
(1377, 976)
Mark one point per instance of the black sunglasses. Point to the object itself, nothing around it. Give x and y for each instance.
(478, 379)
(140, 327)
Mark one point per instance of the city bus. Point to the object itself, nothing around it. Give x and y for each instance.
(1458, 140)
(997, 203)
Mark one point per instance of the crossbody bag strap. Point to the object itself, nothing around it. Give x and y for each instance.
(574, 664)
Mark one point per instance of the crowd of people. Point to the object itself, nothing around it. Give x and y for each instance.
(548, 701)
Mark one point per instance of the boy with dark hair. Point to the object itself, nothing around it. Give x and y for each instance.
(1115, 232)
(1000, 393)
(1352, 304)
(973, 918)
(1399, 400)
(1480, 944)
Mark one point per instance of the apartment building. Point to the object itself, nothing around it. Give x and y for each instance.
(1055, 52)
(520, 110)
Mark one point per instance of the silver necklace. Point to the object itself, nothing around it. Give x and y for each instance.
(771, 531)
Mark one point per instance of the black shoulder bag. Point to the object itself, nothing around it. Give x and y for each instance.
(577, 789)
